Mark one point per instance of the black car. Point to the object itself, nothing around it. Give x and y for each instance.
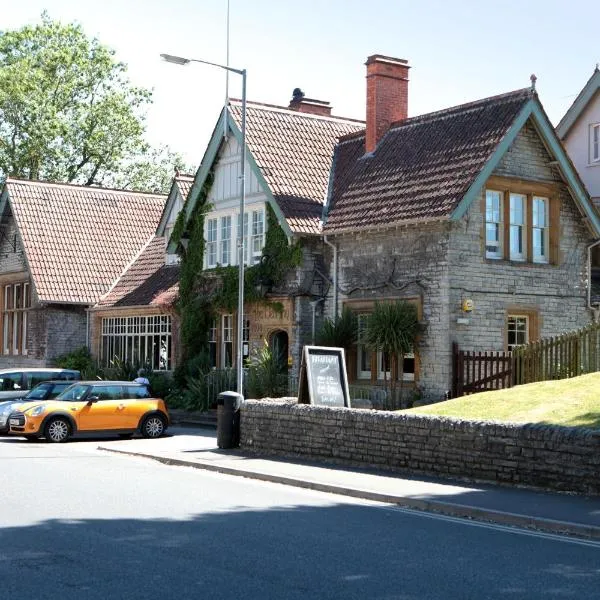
(43, 391)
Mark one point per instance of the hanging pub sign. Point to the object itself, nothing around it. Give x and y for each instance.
(323, 378)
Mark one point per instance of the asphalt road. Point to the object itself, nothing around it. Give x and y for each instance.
(78, 523)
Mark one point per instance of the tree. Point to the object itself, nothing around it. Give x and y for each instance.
(392, 328)
(68, 112)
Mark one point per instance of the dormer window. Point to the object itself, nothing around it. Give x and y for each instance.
(595, 143)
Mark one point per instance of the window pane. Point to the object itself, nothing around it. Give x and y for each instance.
(493, 226)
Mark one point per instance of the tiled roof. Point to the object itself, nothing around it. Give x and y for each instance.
(78, 239)
(293, 151)
(185, 184)
(147, 281)
(421, 168)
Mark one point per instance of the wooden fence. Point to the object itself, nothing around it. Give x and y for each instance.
(559, 357)
(480, 371)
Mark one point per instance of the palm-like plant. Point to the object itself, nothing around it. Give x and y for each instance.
(392, 328)
(342, 332)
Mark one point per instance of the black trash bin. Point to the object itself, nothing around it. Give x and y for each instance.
(228, 419)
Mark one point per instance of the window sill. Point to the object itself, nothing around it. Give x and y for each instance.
(518, 263)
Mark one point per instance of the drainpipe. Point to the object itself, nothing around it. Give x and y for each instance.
(594, 309)
(313, 306)
(87, 328)
(335, 274)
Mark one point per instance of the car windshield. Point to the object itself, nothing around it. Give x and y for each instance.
(39, 392)
(73, 393)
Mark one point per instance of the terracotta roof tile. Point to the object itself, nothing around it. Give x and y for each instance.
(78, 239)
(294, 151)
(185, 184)
(147, 281)
(421, 168)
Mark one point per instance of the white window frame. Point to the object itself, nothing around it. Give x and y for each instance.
(595, 143)
(540, 229)
(212, 340)
(518, 227)
(225, 241)
(493, 221)
(226, 339)
(258, 234)
(362, 352)
(212, 229)
(512, 323)
(140, 339)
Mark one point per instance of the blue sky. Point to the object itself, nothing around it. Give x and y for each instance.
(458, 50)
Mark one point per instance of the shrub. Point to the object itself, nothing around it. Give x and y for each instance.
(266, 375)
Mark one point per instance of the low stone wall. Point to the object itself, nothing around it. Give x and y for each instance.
(560, 458)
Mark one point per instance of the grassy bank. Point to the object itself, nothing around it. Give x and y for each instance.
(571, 402)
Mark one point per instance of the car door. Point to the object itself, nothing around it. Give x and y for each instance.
(104, 414)
(135, 404)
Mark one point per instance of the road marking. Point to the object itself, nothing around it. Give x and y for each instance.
(504, 528)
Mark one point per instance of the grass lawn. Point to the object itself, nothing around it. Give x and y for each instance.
(573, 402)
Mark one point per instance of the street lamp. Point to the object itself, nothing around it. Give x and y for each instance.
(179, 60)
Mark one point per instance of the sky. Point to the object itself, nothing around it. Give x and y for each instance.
(459, 51)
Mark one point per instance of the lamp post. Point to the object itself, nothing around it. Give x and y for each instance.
(178, 60)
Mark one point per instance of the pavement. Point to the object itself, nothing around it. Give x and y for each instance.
(551, 512)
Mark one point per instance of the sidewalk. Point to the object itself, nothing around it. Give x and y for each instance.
(545, 511)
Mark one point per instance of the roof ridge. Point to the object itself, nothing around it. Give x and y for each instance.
(459, 107)
(36, 182)
(437, 113)
(284, 109)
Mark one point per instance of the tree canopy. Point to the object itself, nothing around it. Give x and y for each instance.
(68, 112)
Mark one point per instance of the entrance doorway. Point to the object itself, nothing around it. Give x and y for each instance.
(279, 344)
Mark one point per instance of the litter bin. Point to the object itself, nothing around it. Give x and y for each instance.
(228, 419)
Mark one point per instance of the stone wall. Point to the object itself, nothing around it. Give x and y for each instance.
(560, 458)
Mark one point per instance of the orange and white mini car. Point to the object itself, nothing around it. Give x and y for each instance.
(118, 407)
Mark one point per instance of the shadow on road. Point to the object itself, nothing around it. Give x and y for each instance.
(295, 552)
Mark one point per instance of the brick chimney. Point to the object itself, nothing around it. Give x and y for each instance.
(387, 96)
(309, 105)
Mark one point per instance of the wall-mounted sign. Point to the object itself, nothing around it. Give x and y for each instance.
(467, 305)
(323, 377)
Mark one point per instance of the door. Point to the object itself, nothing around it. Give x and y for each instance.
(279, 349)
(107, 413)
(136, 405)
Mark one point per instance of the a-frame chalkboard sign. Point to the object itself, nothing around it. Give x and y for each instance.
(323, 377)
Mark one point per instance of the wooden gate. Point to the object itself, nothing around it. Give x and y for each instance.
(480, 371)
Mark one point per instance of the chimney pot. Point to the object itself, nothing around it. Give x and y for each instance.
(387, 96)
(300, 103)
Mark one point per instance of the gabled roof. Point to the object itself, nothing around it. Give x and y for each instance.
(147, 281)
(290, 153)
(181, 186)
(432, 167)
(77, 239)
(589, 91)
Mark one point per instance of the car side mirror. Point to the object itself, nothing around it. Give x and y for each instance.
(93, 399)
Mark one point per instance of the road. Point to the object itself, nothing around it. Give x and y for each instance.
(79, 523)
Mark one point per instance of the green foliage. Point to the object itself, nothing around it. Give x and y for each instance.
(80, 359)
(161, 384)
(266, 375)
(121, 370)
(69, 113)
(342, 332)
(204, 293)
(392, 327)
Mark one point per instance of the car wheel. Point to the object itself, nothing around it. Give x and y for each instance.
(57, 430)
(31, 438)
(153, 426)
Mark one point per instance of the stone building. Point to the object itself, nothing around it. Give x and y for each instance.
(474, 213)
(61, 247)
(288, 162)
